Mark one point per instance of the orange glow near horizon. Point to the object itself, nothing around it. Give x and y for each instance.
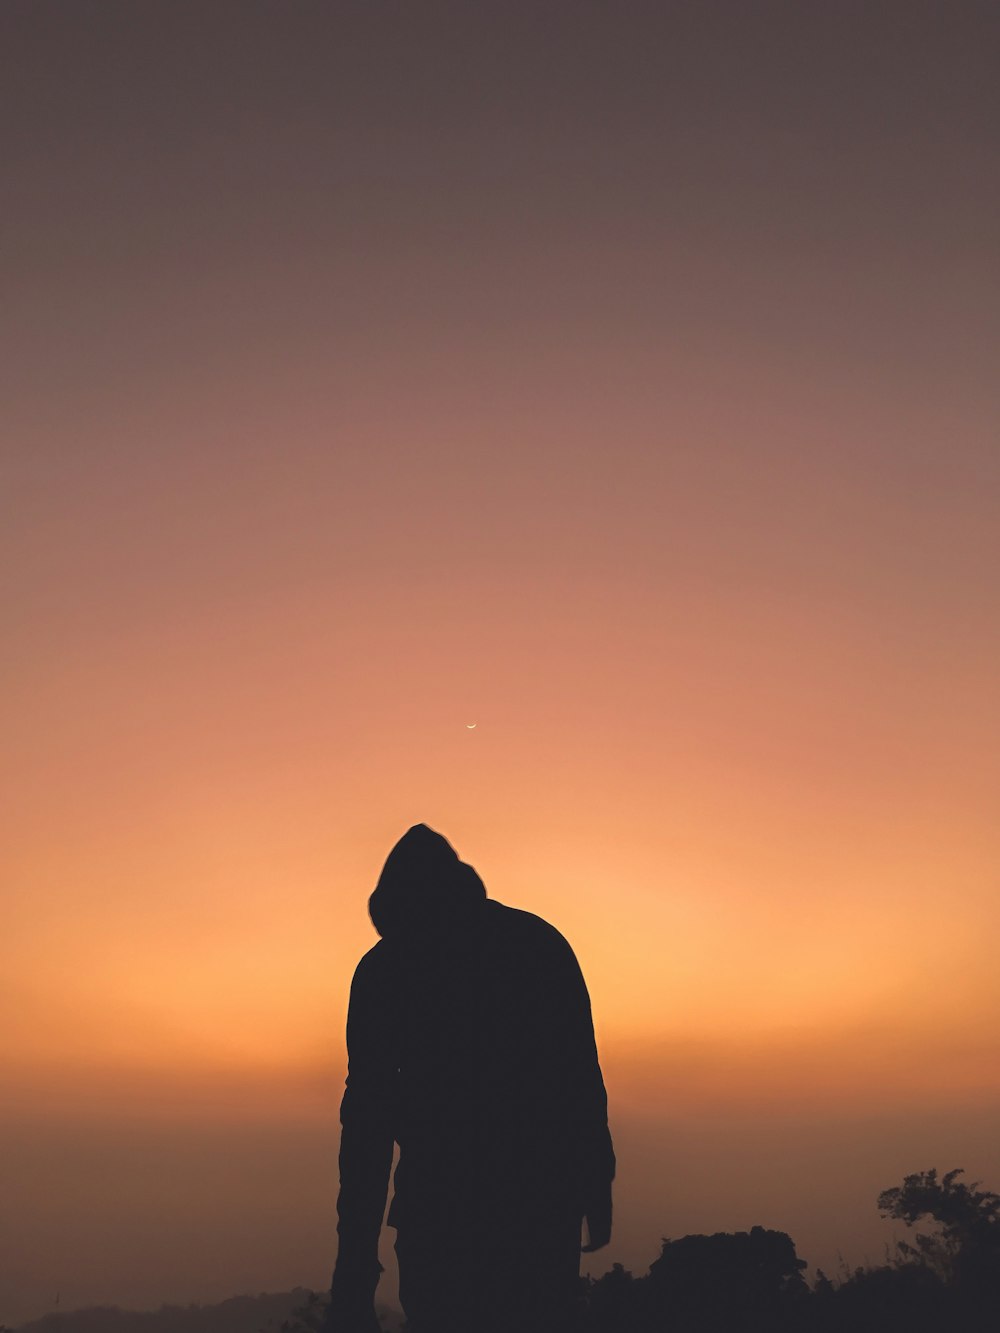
(236, 954)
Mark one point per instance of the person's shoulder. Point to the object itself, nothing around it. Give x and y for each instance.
(528, 927)
(373, 965)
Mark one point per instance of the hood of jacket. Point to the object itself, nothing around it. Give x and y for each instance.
(424, 885)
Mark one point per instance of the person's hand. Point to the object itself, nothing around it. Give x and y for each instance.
(352, 1298)
(598, 1218)
(352, 1323)
(351, 1317)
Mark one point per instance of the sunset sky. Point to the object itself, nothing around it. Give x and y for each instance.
(620, 378)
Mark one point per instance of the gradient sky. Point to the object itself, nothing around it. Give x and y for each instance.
(618, 377)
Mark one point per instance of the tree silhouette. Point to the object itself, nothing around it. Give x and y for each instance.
(969, 1220)
(964, 1253)
(747, 1279)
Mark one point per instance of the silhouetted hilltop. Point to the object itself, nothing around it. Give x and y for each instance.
(264, 1313)
(944, 1280)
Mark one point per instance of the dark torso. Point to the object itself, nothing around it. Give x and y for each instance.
(485, 1112)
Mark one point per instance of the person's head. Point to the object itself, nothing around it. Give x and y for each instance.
(424, 885)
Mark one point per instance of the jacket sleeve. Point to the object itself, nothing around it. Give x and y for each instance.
(367, 1117)
(591, 1136)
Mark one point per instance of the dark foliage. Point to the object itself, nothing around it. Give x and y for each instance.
(269, 1312)
(239, 1314)
(701, 1284)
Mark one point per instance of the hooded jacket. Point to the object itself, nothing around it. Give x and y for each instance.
(471, 1045)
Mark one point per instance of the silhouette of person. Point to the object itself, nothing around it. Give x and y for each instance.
(471, 1045)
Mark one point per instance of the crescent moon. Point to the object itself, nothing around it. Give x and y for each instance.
(470, 726)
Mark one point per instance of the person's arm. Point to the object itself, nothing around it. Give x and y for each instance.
(597, 1150)
(367, 1115)
(594, 1149)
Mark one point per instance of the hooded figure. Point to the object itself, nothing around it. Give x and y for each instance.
(471, 1045)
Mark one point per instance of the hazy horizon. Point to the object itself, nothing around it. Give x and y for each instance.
(135, 1187)
(623, 383)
